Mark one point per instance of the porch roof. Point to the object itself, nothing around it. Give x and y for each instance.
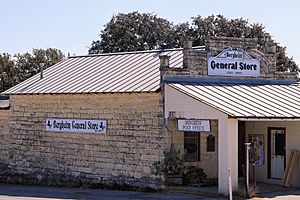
(246, 100)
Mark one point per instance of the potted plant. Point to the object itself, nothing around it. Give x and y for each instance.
(171, 167)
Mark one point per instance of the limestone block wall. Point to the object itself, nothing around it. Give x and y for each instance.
(4, 137)
(195, 59)
(134, 140)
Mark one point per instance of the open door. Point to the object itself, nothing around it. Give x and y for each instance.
(276, 153)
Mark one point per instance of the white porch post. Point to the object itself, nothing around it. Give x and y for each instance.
(228, 154)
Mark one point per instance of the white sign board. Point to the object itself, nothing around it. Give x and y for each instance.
(76, 125)
(233, 62)
(193, 125)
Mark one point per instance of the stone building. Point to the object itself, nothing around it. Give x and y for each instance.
(106, 119)
(4, 117)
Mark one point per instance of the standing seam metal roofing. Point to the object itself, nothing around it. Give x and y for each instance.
(115, 72)
(246, 100)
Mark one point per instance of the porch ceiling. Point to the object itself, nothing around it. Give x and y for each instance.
(246, 100)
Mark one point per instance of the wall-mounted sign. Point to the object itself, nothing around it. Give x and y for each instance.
(193, 125)
(210, 143)
(76, 125)
(233, 62)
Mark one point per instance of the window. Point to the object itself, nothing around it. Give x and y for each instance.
(279, 144)
(191, 146)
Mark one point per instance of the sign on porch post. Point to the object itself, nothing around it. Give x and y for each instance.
(194, 125)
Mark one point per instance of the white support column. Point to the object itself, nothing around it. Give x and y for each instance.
(233, 151)
(228, 154)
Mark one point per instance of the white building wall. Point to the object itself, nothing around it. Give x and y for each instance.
(232, 148)
(292, 143)
(187, 107)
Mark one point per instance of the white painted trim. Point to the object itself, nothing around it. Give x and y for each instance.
(228, 154)
(269, 119)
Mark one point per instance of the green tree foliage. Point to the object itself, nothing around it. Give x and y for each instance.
(15, 69)
(8, 71)
(220, 26)
(28, 64)
(135, 32)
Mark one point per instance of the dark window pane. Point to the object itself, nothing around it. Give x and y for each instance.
(191, 146)
(279, 144)
(210, 143)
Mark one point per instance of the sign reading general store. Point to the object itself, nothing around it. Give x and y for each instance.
(76, 125)
(193, 125)
(233, 62)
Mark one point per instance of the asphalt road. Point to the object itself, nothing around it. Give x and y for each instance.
(19, 192)
(22, 192)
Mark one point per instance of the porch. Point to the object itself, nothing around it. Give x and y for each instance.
(265, 114)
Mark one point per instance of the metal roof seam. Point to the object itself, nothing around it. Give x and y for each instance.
(32, 80)
(118, 74)
(246, 103)
(282, 100)
(218, 95)
(61, 77)
(213, 97)
(271, 102)
(101, 73)
(132, 69)
(249, 94)
(202, 101)
(258, 104)
(94, 67)
(136, 52)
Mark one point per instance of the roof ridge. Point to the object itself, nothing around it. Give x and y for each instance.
(134, 52)
(223, 80)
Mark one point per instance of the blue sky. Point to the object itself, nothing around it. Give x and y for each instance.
(71, 25)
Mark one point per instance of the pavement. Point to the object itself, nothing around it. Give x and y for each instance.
(280, 195)
(21, 192)
(277, 192)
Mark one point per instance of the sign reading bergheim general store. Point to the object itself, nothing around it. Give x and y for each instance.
(76, 125)
(194, 125)
(233, 62)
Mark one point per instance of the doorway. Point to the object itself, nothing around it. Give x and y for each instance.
(276, 152)
(241, 146)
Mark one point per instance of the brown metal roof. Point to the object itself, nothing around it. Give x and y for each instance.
(115, 72)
